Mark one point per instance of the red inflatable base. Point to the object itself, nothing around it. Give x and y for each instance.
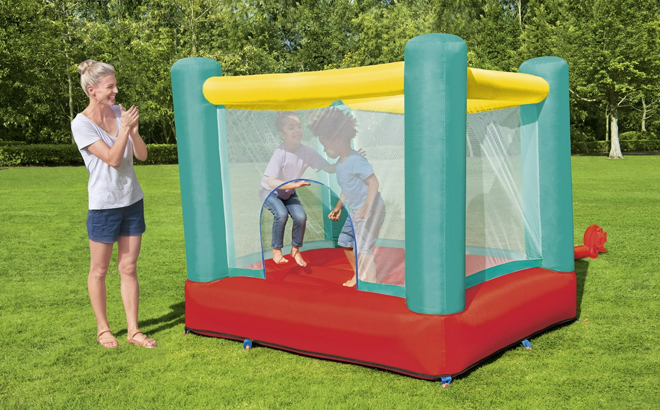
(308, 311)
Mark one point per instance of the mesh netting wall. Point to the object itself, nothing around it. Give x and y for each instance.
(495, 221)
(251, 141)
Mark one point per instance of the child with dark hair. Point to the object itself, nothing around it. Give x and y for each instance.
(359, 190)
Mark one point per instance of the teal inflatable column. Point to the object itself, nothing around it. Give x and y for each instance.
(199, 170)
(435, 84)
(553, 155)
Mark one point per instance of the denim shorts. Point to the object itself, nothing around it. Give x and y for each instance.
(107, 225)
(366, 230)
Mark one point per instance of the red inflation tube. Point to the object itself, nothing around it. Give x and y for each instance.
(594, 241)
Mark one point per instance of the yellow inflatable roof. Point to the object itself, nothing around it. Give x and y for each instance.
(372, 88)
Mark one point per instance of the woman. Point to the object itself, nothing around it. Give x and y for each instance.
(107, 137)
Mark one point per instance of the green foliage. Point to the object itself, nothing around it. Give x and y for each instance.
(40, 155)
(497, 41)
(380, 34)
(583, 143)
(614, 53)
(639, 141)
(160, 154)
(631, 141)
(612, 47)
(52, 155)
(639, 136)
(32, 64)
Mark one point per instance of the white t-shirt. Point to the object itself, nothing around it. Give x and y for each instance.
(286, 166)
(108, 187)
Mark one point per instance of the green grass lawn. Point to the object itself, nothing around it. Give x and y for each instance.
(50, 358)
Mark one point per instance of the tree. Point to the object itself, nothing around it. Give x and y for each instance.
(380, 34)
(497, 39)
(32, 76)
(607, 56)
(491, 28)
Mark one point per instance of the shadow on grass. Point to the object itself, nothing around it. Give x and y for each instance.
(581, 269)
(175, 317)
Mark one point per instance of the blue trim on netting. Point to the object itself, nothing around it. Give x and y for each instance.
(391, 290)
(226, 186)
(247, 260)
(263, 261)
(495, 252)
(246, 273)
(500, 270)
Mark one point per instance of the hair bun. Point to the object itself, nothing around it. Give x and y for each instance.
(82, 67)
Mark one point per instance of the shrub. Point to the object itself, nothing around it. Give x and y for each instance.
(161, 154)
(639, 141)
(630, 141)
(640, 146)
(45, 155)
(5, 143)
(49, 155)
(582, 143)
(638, 136)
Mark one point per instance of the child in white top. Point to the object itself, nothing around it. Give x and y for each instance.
(289, 162)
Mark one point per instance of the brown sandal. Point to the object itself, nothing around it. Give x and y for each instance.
(145, 342)
(111, 342)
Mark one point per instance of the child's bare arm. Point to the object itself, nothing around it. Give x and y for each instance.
(334, 214)
(275, 183)
(330, 168)
(373, 185)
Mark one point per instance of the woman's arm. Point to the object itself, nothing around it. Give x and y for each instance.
(139, 147)
(114, 155)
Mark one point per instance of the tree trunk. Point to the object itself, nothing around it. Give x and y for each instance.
(615, 150)
(166, 130)
(607, 126)
(68, 77)
(643, 115)
(520, 12)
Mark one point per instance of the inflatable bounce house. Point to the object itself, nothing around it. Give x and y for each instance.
(474, 248)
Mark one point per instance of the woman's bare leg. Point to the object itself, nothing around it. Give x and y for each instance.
(100, 254)
(127, 256)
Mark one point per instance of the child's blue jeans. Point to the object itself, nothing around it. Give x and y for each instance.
(281, 209)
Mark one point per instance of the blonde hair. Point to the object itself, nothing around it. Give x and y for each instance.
(91, 73)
